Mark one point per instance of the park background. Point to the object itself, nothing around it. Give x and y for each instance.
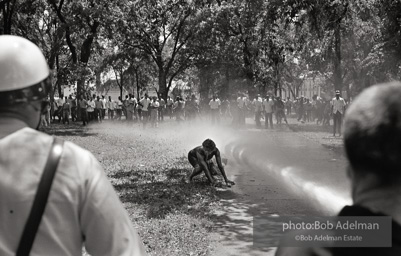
(203, 47)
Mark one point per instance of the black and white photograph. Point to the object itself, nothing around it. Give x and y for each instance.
(200, 127)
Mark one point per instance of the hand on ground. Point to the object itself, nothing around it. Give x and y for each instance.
(229, 183)
(216, 183)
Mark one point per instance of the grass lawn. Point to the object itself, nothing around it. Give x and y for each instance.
(147, 167)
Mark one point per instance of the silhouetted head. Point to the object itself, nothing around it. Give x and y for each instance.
(338, 94)
(209, 145)
(372, 135)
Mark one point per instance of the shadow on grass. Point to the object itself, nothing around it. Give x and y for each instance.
(72, 129)
(198, 199)
(170, 195)
(177, 173)
(337, 149)
(310, 128)
(72, 132)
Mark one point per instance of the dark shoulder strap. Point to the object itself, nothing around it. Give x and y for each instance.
(39, 203)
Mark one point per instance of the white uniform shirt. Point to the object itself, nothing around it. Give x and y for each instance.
(82, 203)
(104, 102)
(119, 104)
(338, 105)
(241, 102)
(155, 104)
(145, 104)
(170, 102)
(60, 102)
(258, 104)
(91, 106)
(268, 105)
(110, 105)
(214, 104)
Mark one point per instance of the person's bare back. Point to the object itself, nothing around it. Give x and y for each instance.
(200, 158)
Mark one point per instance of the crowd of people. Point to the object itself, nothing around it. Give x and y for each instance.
(98, 108)
(153, 110)
(317, 110)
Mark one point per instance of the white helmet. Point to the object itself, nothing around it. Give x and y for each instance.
(23, 71)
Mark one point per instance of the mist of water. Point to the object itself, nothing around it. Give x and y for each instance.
(185, 136)
(319, 190)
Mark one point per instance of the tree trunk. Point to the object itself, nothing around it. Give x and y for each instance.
(203, 83)
(85, 54)
(122, 80)
(98, 81)
(291, 92)
(59, 79)
(348, 90)
(338, 83)
(137, 83)
(163, 83)
(8, 10)
(81, 86)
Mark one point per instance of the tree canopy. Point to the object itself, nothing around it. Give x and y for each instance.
(216, 47)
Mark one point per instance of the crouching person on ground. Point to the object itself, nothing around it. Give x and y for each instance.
(200, 158)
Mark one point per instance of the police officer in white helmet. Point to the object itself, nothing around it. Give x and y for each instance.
(80, 207)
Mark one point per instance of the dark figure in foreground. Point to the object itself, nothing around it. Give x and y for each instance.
(201, 159)
(82, 207)
(372, 138)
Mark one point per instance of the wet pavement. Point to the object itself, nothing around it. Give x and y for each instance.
(277, 173)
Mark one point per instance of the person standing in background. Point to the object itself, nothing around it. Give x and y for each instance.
(91, 109)
(162, 108)
(83, 105)
(98, 109)
(337, 110)
(110, 105)
(73, 104)
(258, 108)
(268, 108)
(66, 111)
(154, 111)
(118, 107)
(214, 105)
(104, 101)
(169, 106)
(145, 102)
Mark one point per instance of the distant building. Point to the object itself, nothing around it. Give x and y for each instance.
(311, 86)
(68, 90)
(111, 88)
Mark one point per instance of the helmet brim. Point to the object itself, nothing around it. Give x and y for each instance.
(35, 92)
